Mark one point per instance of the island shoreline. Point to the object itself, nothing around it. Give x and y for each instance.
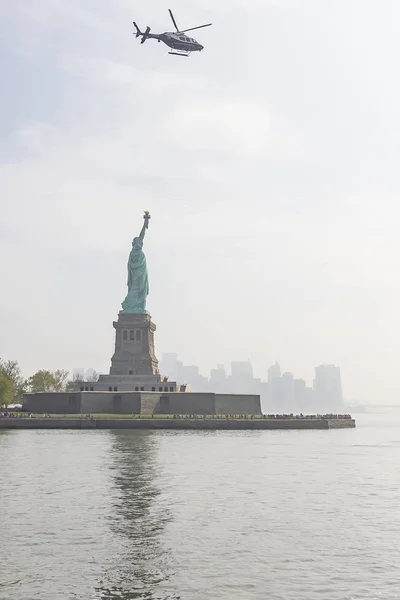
(184, 423)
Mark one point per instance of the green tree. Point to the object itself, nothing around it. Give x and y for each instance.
(6, 391)
(60, 379)
(48, 381)
(42, 381)
(12, 370)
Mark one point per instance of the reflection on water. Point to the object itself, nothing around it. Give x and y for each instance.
(138, 519)
(82, 516)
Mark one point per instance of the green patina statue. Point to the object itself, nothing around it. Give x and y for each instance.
(138, 281)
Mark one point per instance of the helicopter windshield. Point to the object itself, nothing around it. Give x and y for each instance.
(183, 38)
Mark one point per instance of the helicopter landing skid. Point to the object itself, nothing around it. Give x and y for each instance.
(179, 53)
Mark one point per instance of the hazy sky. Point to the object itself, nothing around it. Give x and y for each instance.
(269, 162)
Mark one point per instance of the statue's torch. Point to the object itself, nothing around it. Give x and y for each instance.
(146, 218)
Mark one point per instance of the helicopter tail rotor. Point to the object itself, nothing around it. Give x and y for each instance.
(139, 33)
(145, 35)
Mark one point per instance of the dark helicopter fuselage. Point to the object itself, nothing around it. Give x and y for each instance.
(177, 41)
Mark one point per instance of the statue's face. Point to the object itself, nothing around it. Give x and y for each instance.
(137, 244)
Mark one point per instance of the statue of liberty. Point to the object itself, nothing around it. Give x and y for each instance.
(138, 281)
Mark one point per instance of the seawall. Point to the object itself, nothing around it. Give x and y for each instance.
(184, 423)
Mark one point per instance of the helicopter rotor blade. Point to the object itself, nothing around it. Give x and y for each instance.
(193, 28)
(173, 20)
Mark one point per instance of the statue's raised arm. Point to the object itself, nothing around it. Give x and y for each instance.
(146, 218)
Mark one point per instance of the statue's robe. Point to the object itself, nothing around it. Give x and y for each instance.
(138, 283)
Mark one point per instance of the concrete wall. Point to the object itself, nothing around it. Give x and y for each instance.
(50, 402)
(146, 403)
(53, 423)
(149, 403)
(89, 402)
(237, 404)
(111, 403)
(185, 423)
(98, 402)
(189, 403)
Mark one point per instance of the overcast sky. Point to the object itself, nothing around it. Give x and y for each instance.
(269, 162)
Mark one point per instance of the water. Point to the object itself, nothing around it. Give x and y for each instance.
(279, 515)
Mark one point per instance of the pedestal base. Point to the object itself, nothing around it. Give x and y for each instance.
(134, 346)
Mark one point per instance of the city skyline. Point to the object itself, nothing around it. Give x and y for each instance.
(212, 374)
(280, 392)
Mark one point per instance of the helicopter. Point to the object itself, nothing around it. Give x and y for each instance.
(180, 44)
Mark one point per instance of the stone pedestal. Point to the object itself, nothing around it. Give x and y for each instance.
(134, 346)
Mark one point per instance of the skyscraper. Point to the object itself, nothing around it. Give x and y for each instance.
(241, 370)
(328, 387)
(274, 372)
(170, 364)
(287, 391)
(218, 377)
